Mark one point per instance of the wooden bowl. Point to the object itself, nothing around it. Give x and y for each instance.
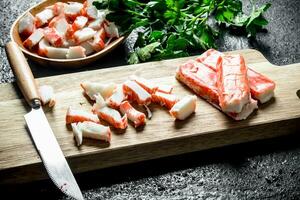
(60, 63)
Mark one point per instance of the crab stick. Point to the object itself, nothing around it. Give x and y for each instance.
(164, 99)
(108, 114)
(53, 37)
(111, 29)
(84, 35)
(137, 117)
(88, 47)
(76, 52)
(79, 22)
(165, 88)
(232, 83)
(136, 93)
(149, 86)
(118, 96)
(98, 42)
(261, 87)
(51, 52)
(26, 25)
(184, 108)
(203, 81)
(43, 17)
(73, 9)
(47, 95)
(91, 130)
(60, 24)
(74, 116)
(93, 88)
(34, 38)
(57, 8)
(96, 24)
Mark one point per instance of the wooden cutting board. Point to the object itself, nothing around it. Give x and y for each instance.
(162, 136)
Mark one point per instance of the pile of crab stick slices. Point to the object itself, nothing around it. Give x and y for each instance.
(67, 30)
(115, 104)
(226, 82)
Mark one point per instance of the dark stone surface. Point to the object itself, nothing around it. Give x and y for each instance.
(268, 169)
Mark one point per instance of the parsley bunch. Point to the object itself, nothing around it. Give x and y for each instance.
(173, 28)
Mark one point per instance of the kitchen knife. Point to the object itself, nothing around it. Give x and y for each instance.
(37, 123)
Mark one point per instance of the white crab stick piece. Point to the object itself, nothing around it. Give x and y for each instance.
(164, 99)
(98, 42)
(184, 108)
(51, 52)
(26, 25)
(117, 97)
(91, 12)
(246, 111)
(111, 30)
(79, 22)
(47, 95)
(76, 52)
(34, 38)
(148, 85)
(136, 93)
(96, 24)
(90, 130)
(60, 24)
(74, 116)
(110, 115)
(88, 47)
(92, 88)
(43, 17)
(84, 35)
(73, 9)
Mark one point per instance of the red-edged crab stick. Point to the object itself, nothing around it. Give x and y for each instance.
(137, 117)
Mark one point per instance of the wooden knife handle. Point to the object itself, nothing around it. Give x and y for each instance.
(23, 74)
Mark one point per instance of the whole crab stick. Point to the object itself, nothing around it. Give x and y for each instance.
(137, 117)
(136, 93)
(108, 114)
(26, 25)
(93, 88)
(232, 83)
(164, 99)
(74, 116)
(184, 108)
(203, 81)
(118, 96)
(261, 87)
(90, 130)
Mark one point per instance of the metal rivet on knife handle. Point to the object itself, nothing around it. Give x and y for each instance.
(22, 71)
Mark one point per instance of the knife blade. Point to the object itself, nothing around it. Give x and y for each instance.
(39, 128)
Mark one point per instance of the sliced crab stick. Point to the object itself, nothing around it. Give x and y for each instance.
(91, 130)
(74, 116)
(165, 88)
(57, 8)
(203, 81)
(98, 42)
(115, 100)
(53, 37)
(76, 52)
(96, 24)
(91, 12)
(88, 47)
(60, 24)
(43, 17)
(34, 38)
(136, 93)
(149, 86)
(26, 25)
(111, 29)
(79, 22)
(232, 83)
(47, 95)
(84, 35)
(261, 87)
(164, 99)
(108, 114)
(184, 108)
(137, 117)
(92, 88)
(73, 9)
(51, 52)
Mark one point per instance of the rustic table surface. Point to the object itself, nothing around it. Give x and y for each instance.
(258, 170)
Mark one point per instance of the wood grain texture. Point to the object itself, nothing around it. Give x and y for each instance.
(162, 136)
